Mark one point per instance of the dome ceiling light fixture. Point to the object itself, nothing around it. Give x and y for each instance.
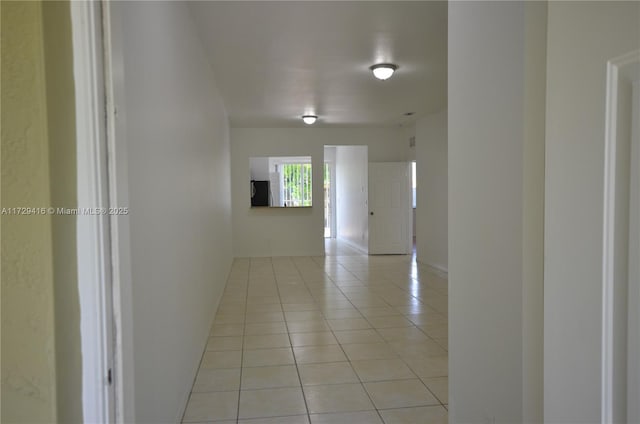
(383, 71)
(309, 119)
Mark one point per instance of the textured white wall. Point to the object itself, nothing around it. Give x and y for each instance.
(582, 37)
(280, 232)
(28, 342)
(431, 191)
(180, 204)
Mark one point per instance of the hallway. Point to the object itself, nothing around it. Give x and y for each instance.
(336, 339)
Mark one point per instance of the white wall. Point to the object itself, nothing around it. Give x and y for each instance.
(533, 213)
(408, 131)
(352, 196)
(180, 205)
(582, 37)
(431, 191)
(491, 138)
(259, 168)
(292, 231)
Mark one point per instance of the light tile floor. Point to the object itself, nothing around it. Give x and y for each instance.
(343, 339)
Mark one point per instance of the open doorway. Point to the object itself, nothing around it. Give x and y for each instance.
(346, 197)
(329, 192)
(329, 200)
(413, 203)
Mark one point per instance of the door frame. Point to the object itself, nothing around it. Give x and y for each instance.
(104, 273)
(93, 241)
(614, 69)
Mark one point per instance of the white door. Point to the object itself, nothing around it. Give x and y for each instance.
(390, 225)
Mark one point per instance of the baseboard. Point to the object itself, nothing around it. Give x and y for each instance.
(438, 268)
(352, 245)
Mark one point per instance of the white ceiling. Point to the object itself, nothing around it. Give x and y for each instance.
(277, 60)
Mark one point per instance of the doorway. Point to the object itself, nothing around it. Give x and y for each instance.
(346, 196)
(329, 200)
(329, 192)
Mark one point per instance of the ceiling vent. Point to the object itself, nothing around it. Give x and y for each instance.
(412, 141)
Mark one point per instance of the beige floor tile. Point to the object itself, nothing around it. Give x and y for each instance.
(422, 415)
(264, 317)
(443, 342)
(405, 333)
(225, 343)
(259, 328)
(307, 326)
(337, 301)
(439, 386)
(271, 403)
(416, 309)
(382, 369)
(348, 324)
(389, 322)
(262, 300)
(436, 331)
(267, 357)
(400, 394)
(318, 354)
(427, 367)
(327, 373)
(363, 351)
(214, 406)
(267, 307)
(292, 307)
(368, 303)
(229, 318)
(217, 380)
(409, 349)
(312, 303)
(341, 313)
(266, 341)
(426, 318)
(313, 339)
(221, 359)
(362, 417)
(292, 419)
(295, 316)
(381, 311)
(268, 377)
(337, 398)
(305, 299)
(227, 330)
(358, 336)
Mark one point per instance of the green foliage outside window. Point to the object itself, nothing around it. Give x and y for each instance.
(297, 184)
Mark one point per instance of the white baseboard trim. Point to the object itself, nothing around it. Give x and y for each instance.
(438, 268)
(352, 245)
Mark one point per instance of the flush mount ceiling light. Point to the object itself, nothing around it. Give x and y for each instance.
(383, 71)
(309, 119)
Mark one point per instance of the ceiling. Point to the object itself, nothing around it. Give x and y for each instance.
(277, 60)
